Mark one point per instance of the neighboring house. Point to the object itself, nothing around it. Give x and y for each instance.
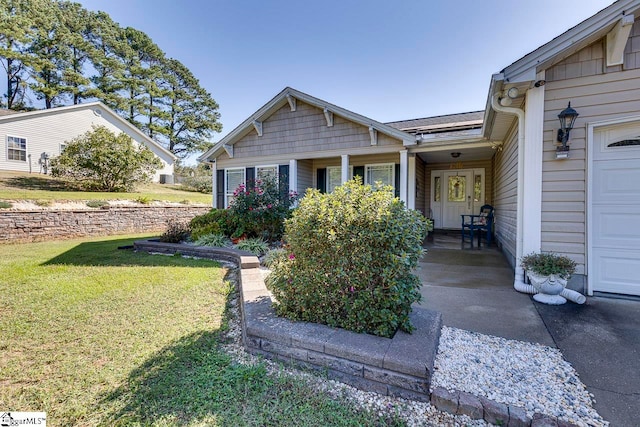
(586, 206)
(32, 138)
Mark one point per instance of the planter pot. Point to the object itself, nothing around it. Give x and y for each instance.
(548, 287)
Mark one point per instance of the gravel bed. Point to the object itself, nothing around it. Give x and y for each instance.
(532, 376)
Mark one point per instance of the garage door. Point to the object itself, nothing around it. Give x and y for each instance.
(615, 210)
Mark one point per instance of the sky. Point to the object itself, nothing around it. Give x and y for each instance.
(387, 60)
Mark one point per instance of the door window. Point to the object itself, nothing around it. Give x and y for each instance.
(457, 188)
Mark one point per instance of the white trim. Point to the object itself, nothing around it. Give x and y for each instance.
(26, 149)
(404, 167)
(292, 102)
(591, 128)
(214, 183)
(328, 115)
(257, 124)
(344, 163)
(226, 190)
(293, 175)
(531, 231)
(617, 40)
(411, 183)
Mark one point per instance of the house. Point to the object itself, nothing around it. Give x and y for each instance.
(580, 198)
(32, 138)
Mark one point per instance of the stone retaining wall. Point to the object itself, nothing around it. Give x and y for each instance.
(33, 226)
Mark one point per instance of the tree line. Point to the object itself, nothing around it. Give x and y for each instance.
(63, 54)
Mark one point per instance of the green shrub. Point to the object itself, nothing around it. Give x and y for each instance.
(349, 261)
(97, 203)
(217, 240)
(5, 205)
(260, 208)
(199, 184)
(216, 221)
(255, 245)
(43, 203)
(274, 256)
(143, 200)
(176, 232)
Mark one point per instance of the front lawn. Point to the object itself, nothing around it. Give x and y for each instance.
(25, 186)
(94, 335)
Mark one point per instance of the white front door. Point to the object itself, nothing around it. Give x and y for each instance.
(457, 197)
(615, 210)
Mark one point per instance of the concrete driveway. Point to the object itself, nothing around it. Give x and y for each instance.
(473, 289)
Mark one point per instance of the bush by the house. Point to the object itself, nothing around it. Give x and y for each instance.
(217, 240)
(255, 245)
(176, 232)
(260, 208)
(216, 221)
(103, 161)
(349, 261)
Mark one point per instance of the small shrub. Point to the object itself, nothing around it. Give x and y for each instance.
(185, 202)
(97, 203)
(254, 245)
(260, 208)
(199, 184)
(143, 200)
(548, 263)
(217, 240)
(216, 221)
(5, 205)
(350, 260)
(176, 232)
(43, 203)
(274, 256)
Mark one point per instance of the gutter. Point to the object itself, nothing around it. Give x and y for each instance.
(518, 283)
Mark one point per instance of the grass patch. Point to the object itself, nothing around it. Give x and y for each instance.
(5, 205)
(94, 335)
(24, 186)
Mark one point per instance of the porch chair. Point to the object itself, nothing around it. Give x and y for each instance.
(479, 223)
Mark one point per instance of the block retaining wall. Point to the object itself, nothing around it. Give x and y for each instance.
(33, 226)
(401, 366)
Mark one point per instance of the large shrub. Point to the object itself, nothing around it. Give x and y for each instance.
(349, 261)
(101, 160)
(216, 221)
(260, 208)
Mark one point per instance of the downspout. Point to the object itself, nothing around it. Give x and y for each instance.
(518, 283)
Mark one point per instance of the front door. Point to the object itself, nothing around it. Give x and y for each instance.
(457, 197)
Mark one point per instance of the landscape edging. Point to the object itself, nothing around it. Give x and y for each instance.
(265, 334)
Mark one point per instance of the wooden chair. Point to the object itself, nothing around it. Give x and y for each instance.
(479, 223)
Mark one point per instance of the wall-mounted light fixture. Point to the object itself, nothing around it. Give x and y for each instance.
(567, 119)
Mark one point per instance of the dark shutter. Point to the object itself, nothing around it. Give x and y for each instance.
(397, 180)
(359, 171)
(220, 189)
(250, 175)
(283, 180)
(321, 175)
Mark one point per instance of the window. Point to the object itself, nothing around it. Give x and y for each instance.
(265, 172)
(383, 173)
(477, 188)
(234, 177)
(436, 190)
(62, 147)
(334, 178)
(457, 190)
(16, 148)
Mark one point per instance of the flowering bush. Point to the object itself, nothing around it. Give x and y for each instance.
(349, 260)
(260, 208)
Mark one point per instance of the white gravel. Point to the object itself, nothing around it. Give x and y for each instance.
(532, 376)
(519, 373)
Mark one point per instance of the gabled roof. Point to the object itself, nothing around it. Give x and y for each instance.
(282, 99)
(436, 124)
(566, 44)
(104, 109)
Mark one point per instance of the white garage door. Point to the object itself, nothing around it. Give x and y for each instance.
(615, 210)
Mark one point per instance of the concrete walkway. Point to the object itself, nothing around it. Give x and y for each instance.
(473, 289)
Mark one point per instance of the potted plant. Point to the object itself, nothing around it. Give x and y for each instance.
(548, 273)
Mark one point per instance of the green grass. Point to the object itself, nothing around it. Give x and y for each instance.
(24, 186)
(94, 335)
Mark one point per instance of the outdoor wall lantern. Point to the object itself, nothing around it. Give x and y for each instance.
(567, 119)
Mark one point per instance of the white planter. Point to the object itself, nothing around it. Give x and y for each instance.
(548, 287)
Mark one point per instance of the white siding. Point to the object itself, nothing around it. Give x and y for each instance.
(46, 131)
